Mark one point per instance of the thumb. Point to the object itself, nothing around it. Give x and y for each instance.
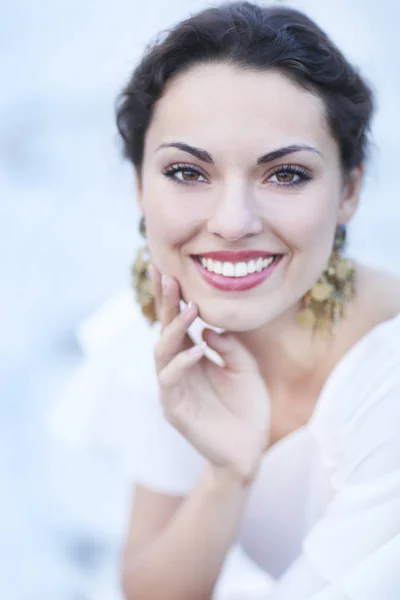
(232, 351)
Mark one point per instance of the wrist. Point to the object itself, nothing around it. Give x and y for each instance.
(231, 475)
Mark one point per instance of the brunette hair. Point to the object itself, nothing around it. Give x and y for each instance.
(253, 37)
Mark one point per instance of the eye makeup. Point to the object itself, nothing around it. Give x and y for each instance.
(298, 175)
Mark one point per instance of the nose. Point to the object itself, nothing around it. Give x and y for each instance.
(235, 215)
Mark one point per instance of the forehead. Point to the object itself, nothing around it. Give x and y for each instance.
(224, 105)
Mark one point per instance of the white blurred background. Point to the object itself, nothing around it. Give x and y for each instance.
(68, 233)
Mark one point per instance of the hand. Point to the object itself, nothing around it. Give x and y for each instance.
(222, 411)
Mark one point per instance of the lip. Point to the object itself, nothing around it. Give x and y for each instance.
(234, 257)
(236, 284)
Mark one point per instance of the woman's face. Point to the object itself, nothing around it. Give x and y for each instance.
(216, 193)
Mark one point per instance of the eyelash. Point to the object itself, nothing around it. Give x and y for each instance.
(305, 175)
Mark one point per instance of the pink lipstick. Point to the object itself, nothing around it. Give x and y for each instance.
(236, 284)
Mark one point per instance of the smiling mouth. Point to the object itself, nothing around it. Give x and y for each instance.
(237, 269)
(239, 276)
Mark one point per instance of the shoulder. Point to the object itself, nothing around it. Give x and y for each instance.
(117, 319)
(359, 408)
(117, 366)
(357, 430)
(118, 339)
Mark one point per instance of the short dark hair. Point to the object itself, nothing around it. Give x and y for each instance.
(253, 37)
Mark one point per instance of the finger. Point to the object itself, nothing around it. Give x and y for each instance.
(174, 337)
(172, 374)
(171, 296)
(232, 351)
(155, 277)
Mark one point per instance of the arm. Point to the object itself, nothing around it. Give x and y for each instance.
(204, 402)
(185, 559)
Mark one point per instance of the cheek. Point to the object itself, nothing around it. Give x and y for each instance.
(172, 216)
(309, 231)
(169, 228)
(308, 223)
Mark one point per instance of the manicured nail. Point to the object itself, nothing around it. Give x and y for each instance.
(197, 350)
(187, 309)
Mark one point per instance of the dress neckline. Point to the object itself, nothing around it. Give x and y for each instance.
(303, 429)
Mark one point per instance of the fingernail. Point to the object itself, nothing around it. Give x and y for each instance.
(197, 350)
(164, 284)
(187, 309)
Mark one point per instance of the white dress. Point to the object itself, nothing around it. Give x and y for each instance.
(323, 516)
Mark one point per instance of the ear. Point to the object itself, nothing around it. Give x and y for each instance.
(350, 195)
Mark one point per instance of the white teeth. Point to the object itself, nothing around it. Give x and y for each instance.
(240, 269)
(228, 269)
(218, 267)
(251, 266)
(267, 261)
(259, 265)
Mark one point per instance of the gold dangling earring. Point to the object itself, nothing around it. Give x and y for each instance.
(141, 281)
(328, 300)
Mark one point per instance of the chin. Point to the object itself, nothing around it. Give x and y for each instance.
(234, 318)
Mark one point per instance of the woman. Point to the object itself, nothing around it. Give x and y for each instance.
(248, 132)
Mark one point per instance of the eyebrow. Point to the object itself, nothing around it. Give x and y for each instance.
(265, 158)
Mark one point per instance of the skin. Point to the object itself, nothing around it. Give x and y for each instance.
(233, 203)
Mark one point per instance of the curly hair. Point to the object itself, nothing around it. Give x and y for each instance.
(259, 38)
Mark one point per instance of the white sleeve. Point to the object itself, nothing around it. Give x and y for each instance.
(353, 551)
(111, 403)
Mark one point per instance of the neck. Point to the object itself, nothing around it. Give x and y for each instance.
(289, 356)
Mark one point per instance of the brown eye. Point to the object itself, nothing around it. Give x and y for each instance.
(285, 177)
(184, 175)
(188, 175)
